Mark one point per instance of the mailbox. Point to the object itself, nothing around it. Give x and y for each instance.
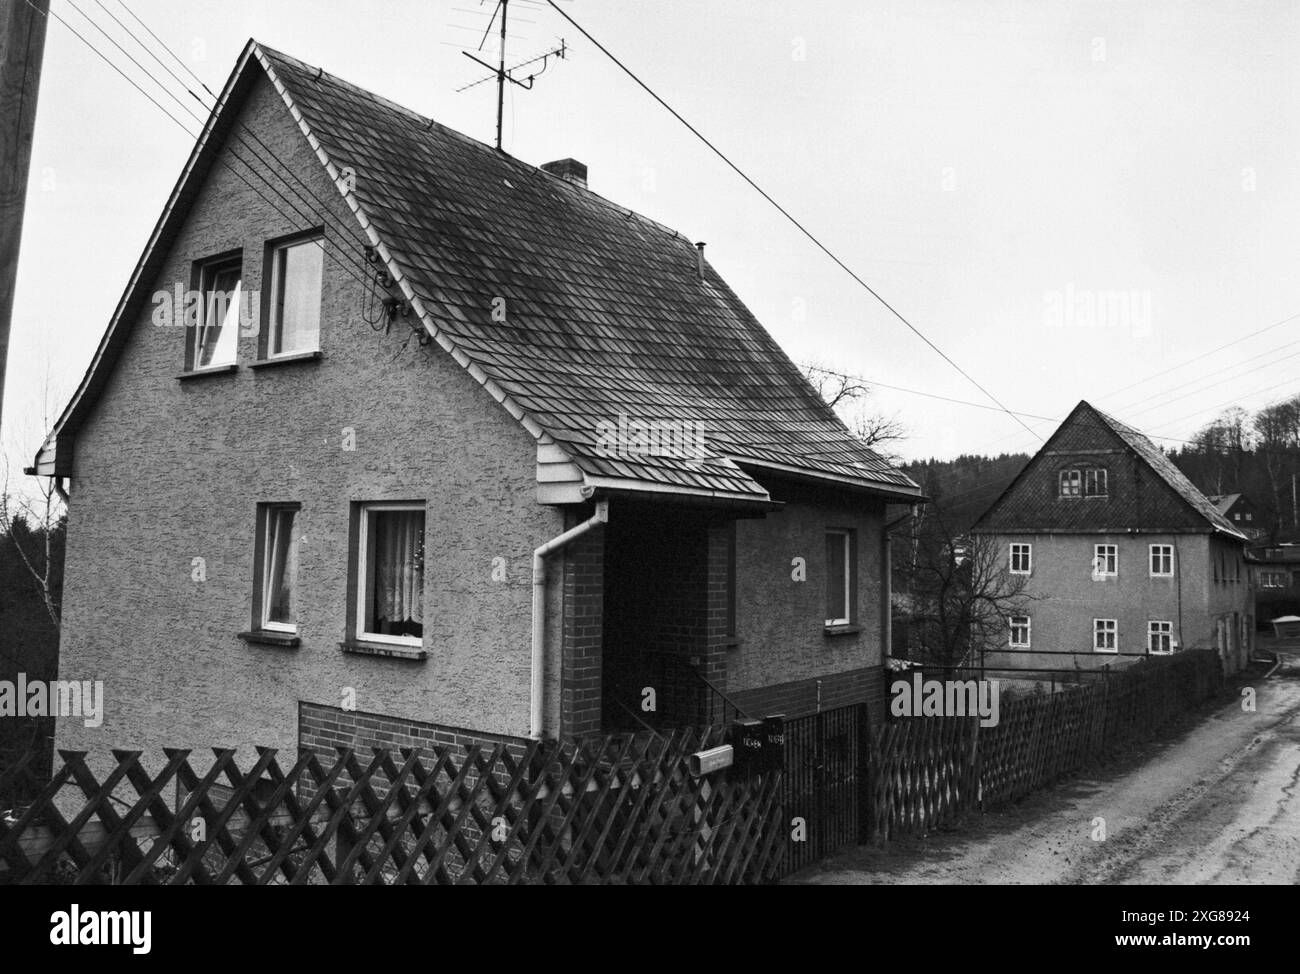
(773, 731)
(714, 759)
(747, 743)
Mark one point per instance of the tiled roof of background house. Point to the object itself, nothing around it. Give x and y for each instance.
(1146, 491)
(1170, 474)
(605, 310)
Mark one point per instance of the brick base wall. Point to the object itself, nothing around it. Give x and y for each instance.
(323, 728)
(799, 697)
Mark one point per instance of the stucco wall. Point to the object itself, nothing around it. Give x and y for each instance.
(169, 471)
(779, 621)
(1065, 598)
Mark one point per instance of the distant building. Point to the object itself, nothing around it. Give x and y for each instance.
(1123, 556)
(1243, 513)
(1275, 578)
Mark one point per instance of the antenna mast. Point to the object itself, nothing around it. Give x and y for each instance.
(502, 74)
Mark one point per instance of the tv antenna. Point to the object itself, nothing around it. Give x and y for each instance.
(500, 72)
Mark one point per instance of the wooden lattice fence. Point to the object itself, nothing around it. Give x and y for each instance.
(624, 810)
(926, 772)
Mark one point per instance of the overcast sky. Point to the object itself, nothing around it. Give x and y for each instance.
(1069, 197)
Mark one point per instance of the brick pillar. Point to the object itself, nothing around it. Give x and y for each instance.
(581, 639)
(720, 607)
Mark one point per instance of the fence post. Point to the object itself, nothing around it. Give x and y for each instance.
(866, 814)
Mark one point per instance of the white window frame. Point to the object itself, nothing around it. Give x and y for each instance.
(1163, 629)
(1105, 627)
(1100, 482)
(362, 570)
(1163, 551)
(1012, 627)
(1074, 477)
(264, 622)
(274, 311)
(1267, 579)
(1100, 551)
(847, 535)
(1028, 554)
(207, 273)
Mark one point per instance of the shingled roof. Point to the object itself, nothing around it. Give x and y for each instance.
(1030, 500)
(606, 311)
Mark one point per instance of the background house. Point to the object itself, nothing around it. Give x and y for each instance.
(1275, 577)
(1244, 514)
(1122, 555)
(328, 520)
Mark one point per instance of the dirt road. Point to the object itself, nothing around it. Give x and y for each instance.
(1217, 803)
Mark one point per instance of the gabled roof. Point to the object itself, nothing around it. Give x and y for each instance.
(606, 312)
(1088, 431)
(1170, 474)
(1223, 502)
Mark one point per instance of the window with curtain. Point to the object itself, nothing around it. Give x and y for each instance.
(279, 568)
(392, 576)
(296, 276)
(217, 328)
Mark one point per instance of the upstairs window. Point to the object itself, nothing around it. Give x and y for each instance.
(297, 270)
(215, 329)
(1022, 556)
(1094, 483)
(1105, 560)
(839, 577)
(1162, 560)
(1071, 483)
(1105, 635)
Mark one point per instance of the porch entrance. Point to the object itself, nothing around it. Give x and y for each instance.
(659, 667)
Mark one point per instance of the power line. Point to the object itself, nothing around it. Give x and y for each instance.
(1197, 358)
(919, 392)
(790, 217)
(315, 217)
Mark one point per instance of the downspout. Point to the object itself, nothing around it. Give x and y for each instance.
(536, 715)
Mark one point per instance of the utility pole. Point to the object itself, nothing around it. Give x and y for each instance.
(22, 49)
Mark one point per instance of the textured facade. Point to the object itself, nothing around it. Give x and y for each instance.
(1120, 554)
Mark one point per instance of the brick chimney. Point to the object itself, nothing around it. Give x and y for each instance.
(570, 169)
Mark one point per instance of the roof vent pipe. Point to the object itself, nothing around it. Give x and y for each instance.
(699, 259)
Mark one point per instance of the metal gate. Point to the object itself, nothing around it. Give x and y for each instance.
(825, 783)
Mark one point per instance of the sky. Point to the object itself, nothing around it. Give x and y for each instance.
(1070, 198)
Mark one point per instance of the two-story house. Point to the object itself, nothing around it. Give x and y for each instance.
(390, 423)
(1121, 555)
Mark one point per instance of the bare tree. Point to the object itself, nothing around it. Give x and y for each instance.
(31, 514)
(876, 430)
(961, 595)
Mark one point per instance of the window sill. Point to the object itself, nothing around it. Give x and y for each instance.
(843, 630)
(214, 370)
(265, 363)
(268, 637)
(366, 648)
